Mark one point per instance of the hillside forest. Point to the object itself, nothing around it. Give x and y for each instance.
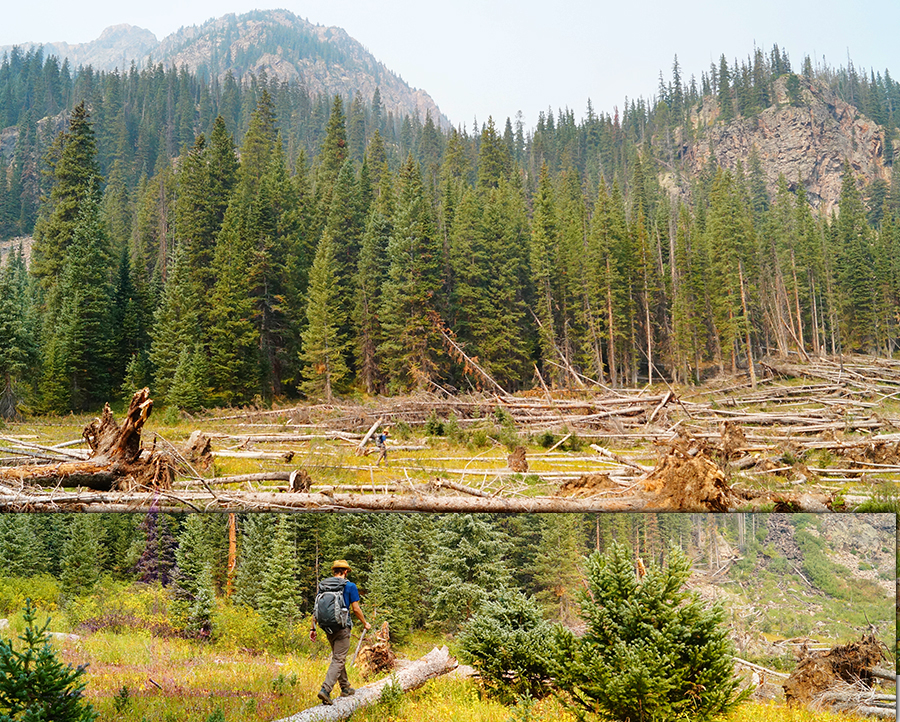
(227, 242)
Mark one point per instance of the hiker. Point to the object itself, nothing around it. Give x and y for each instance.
(336, 597)
(381, 443)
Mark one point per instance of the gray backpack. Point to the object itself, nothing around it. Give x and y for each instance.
(329, 610)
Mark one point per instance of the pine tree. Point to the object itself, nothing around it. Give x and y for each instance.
(856, 269)
(278, 599)
(22, 548)
(18, 343)
(652, 650)
(76, 179)
(324, 345)
(371, 272)
(34, 684)
(466, 566)
(411, 346)
(254, 551)
(81, 554)
(390, 585)
(556, 572)
(176, 323)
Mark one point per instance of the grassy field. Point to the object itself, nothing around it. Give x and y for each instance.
(136, 676)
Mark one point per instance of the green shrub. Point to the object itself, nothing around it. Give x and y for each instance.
(239, 627)
(479, 439)
(433, 425)
(43, 590)
(401, 431)
(545, 439)
(509, 642)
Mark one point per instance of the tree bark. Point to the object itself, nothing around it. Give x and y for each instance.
(434, 664)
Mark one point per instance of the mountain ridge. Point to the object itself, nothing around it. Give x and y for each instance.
(277, 43)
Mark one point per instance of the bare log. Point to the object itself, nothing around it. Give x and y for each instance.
(368, 435)
(434, 664)
(246, 501)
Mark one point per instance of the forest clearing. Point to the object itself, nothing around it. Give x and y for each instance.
(813, 436)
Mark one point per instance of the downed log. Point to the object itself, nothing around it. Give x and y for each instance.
(116, 461)
(247, 501)
(434, 664)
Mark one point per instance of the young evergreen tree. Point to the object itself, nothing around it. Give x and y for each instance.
(509, 642)
(34, 684)
(652, 650)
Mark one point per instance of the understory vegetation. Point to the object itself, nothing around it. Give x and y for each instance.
(168, 633)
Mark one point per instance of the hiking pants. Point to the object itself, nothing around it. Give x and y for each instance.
(337, 672)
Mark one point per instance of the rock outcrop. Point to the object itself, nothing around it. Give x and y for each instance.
(806, 142)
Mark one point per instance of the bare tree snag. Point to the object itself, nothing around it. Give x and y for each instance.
(434, 664)
(115, 462)
(109, 441)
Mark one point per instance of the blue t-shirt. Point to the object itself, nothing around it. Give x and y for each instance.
(351, 594)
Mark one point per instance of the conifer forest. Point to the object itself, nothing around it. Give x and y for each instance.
(224, 242)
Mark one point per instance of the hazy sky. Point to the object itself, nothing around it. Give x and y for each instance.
(496, 57)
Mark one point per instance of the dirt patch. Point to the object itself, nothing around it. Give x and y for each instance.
(817, 671)
(587, 485)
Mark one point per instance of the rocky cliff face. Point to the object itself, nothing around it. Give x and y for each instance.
(807, 142)
(289, 48)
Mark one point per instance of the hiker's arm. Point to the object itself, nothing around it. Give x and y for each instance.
(312, 631)
(357, 611)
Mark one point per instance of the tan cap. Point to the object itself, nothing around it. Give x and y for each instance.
(340, 564)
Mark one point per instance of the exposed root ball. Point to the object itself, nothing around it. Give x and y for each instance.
(689, 483)
(843, 663)
(587, 485)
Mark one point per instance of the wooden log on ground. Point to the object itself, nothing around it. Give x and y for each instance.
(434, 664)
(265, 501)
(115, 456)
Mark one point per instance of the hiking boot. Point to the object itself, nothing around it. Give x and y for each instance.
(323, 695)
(349, 692)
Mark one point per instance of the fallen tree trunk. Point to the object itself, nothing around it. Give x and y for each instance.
(116, 461)
(246, 501)
(434, 664)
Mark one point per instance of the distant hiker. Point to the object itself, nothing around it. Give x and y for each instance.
(381, 443)
(336, 597)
